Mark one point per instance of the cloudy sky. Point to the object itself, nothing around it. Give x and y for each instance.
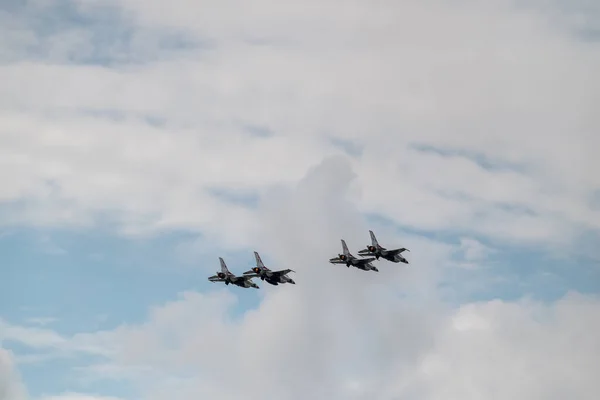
(142, 139)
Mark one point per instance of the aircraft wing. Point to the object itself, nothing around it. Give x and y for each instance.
(250, 272)
(364, 260)
(244, 277)
(282, 272)
(336, 260)
(215, 278)
(397, 251)
(364, 252)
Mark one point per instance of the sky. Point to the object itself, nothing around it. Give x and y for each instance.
(140, 141)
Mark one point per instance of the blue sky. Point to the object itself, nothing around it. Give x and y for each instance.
(93, 280)
(140, 143)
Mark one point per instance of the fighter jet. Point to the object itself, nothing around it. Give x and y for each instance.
(227, 277)
(273, 277)
(374, 249)
(349, 259)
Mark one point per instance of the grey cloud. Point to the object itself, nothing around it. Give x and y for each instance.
(260, 131)
(382, 79)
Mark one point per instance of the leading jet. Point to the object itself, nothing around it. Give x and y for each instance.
(265, 274)
(349, 259)
(375, 249)
(227, 277)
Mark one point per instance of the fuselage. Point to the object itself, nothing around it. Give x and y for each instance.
(238, 281)
(396, 258)
(390, 255)
(285, 279)
(393, 257)
(367, 267)
(246, 283)
(358, 263)
(273, 279)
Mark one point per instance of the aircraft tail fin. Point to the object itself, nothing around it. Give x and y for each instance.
(224, 268)
(345, 247)
(259, 262)
(373, 239)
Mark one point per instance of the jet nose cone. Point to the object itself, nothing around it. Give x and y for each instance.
(375, 269)
(292, 282)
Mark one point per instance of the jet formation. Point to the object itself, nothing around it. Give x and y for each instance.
(245, 280)
(372, 252)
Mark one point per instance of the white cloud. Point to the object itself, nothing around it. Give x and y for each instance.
(344, 333)
(77, 396)
(47, 342)
(32, 337)
(473, 252)
(356, 346)
(11, 387)
(425, 90)
(506, 350)
(41, 320)
(489, 79)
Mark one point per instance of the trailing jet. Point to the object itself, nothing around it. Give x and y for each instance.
(227, 277)
(349, 259)
(273, 277)
(376, 250)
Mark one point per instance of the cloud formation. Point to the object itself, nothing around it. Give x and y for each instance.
(283, 128)
(11, 387)
(455, 109)
(344, 333)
